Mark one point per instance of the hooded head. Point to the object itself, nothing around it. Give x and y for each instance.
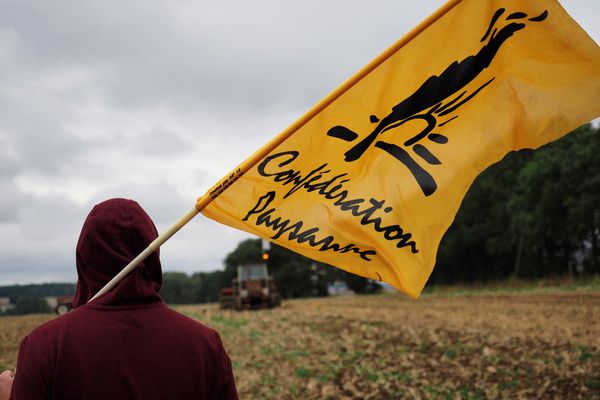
(113, 234)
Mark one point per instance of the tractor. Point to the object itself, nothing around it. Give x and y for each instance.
(253, 288)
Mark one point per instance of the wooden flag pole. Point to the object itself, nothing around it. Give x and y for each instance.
(245, 166)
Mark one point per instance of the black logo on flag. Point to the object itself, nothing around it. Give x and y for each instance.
(435, 100)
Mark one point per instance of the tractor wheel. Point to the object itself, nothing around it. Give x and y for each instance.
(238, 304)
(62, 309)
(274, 301)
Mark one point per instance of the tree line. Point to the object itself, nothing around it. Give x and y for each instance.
(30, 299)
(13, 292)
(535, 214)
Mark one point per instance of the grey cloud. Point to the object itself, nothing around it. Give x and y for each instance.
(55, 35)
(52, 218)
(231, 57)
(35, 132)
(39, 244)
(160, 141)
(160, 200)
(9, 166)
(12, 200)
(47, 152)
(28, 269)
(209, 55)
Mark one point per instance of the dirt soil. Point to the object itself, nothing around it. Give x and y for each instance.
(537, 345)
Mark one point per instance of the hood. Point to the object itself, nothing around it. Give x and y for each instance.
(113, 234)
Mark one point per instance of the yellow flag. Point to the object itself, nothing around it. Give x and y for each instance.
(370, 179)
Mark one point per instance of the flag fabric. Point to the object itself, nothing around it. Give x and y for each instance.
(370, 180)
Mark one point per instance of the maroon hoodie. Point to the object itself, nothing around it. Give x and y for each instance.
(126, 344)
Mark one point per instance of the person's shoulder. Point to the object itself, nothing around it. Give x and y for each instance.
(54, 326)
(48, 333)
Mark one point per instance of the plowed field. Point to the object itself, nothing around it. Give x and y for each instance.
(536, 345)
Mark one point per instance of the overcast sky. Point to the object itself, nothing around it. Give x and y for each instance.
(156, 101)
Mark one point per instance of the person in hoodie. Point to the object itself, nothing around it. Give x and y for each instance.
(127, 344)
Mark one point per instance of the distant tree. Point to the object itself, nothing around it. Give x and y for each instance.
(30, 305)
(247, 251)
(556, 206)
(177, 288)
(207, 286)
(533, 214)
(37, 290)
(478, 245)
(360, 285)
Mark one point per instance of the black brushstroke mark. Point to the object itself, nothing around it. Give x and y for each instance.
(427, 103)
(343, 133)
(517, 15)
(445, 122)
(426, 154)
(443, 107)
(495, 17)
(451, 109)
(379, 276)
(540, 17)
(437, 138)
(426, 182)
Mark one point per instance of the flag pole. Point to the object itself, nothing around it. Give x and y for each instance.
(245, 166)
